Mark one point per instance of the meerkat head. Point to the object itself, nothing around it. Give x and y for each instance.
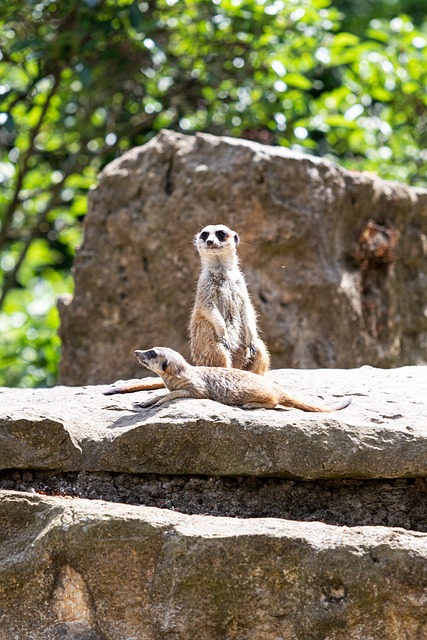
(216, 238)
(162, 360)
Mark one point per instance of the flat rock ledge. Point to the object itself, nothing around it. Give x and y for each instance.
(91, 570)
(382, 434)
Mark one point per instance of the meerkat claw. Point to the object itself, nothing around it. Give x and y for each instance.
(226, 344)
(252, 350)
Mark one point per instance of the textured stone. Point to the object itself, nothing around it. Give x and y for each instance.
(398, 502)
(382, 434)
(336, 261)
(89, 570)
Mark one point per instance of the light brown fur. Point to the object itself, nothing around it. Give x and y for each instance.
(223, 328)
(229, 386)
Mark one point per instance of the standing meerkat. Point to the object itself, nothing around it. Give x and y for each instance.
(223, 328)
(229, 386)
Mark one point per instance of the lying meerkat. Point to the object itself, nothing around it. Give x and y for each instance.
(223, 328)
(229, 386)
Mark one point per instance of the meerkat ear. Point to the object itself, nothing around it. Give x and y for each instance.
(165, 365)
(236, 239)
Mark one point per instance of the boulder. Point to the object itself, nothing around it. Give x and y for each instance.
(90, 570)
(382, 434)
(336, 261)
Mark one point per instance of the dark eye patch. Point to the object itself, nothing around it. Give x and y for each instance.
(204, 236)
(221, 235)
(150, 354)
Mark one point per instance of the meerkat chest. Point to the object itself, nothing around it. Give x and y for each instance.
(226, 293)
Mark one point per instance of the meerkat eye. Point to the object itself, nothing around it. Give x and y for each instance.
(221, 235)
(204, 235)
(165, 365)
(151, 354)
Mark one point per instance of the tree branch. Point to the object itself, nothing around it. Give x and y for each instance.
(10, 211)
(10, 280)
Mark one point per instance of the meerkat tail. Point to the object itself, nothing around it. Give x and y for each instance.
(288, 401)
(143, 385)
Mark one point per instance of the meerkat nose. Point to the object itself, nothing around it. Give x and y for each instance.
(209, 243)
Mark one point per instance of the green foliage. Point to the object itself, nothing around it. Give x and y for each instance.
(81, 82)
(376, 117)
(28, 329)
(357, 14)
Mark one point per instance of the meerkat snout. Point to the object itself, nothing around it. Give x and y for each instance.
(159, 359)
(145, 356)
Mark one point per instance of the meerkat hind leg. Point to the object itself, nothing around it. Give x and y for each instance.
(216, 355)
(260, 361)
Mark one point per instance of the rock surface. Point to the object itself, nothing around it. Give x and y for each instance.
(345, 502)
(89, 570)
(336, 261)
(78, 569)
(382, 434)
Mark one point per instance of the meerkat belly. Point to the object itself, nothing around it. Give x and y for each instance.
(229, 387)
(229, 305)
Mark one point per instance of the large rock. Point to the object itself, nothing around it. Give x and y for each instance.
(336, 261)
(382, 434)
(89, 570)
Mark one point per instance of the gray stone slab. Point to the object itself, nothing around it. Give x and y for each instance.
(91, 570)
(382, 434)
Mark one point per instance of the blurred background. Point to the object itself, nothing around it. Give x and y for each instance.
(82, 82)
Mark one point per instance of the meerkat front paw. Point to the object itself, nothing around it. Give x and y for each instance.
(226, 344)
(252, 349)
(148, 403)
